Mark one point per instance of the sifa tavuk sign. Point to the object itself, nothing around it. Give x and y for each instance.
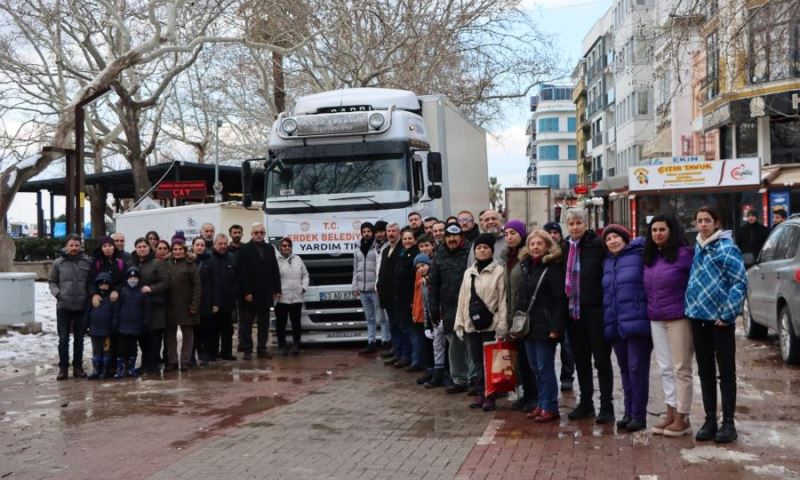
(739, 172)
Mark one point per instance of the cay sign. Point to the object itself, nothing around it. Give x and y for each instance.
(738, 172)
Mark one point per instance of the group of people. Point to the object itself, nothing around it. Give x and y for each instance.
(440, 290)
(139, 300)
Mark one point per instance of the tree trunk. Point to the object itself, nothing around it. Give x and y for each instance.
(130, 124)
(97, 197)
(9, 250)
(279, 91)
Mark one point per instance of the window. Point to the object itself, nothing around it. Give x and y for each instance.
(746, 140)
(787, 244)
(772, 41)
(642, 104)
(570, 124)
(571, 152)
(712, 66)
(551, 181)
(549, 124)
(770, 249)
(548, 152)
(784, 140)
(573, 180)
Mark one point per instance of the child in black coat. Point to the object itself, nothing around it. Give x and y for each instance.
(101, 320)
(131, 319)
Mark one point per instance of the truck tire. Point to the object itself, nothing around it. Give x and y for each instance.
(790, 344)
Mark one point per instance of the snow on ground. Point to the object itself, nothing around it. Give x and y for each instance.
(21, 352)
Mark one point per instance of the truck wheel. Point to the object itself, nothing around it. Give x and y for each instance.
(790, 344)
(751, 329)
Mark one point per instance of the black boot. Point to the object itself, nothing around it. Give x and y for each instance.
(437, 378)
(97, 367)
(426, 377)
(726, 432)
(583, 410)
(77, 372)
(606, 414)
(709, 429)
(62, 373)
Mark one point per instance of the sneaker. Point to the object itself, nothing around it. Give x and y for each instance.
(635, 425)
(708, 431)
(624, 421)
(456, 388)
(547, 416)
(369, 350)
(62, 374)
(426, 377)
(726, 433)
(583, 410)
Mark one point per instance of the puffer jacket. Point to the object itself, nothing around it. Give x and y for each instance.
(444, 283)
(294, 279)
(549, 310)
(717, 281)
(365, 270)
(69, 281)
(132, 311)
(184, 292)
(624, 300)
(491, 288)
(153, 273)
(665, 285)
(101, 319)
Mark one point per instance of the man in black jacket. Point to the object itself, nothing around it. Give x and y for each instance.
(224, 284)
(260, 283)
(751, 235)
(584, 273)
(385, 286)
(447, 273)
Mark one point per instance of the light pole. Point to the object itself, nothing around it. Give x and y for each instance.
(217, 183)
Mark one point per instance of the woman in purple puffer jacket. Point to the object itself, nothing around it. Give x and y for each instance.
(667, 261)
(625, 321)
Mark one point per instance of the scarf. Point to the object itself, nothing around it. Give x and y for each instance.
(481, 264)
(366, 245)
(573, 280)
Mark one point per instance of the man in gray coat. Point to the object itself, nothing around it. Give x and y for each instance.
(69, 283)
(365, 275)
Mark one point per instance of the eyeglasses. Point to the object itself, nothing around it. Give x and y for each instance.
(465, 219)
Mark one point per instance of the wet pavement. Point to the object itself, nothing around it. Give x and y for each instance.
(331, 414)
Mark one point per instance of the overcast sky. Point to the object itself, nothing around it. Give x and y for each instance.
(567, 20)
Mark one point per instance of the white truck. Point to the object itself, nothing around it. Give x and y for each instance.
(532, 205)
(344, 157)
(187, 218)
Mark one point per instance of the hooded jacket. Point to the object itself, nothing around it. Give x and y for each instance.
(665, 285)
(69, 281)
(549, 310)
(294, 279)
(101, 319)
(132, 311)
(444, 283)
(717, 280)
(491, 288)
(624, 299)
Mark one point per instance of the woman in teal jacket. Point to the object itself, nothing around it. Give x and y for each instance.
(714, 296)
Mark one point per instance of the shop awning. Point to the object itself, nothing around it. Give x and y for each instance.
(610, 184)
(787, 175)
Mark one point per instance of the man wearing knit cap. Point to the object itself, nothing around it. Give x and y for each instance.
(365, 274)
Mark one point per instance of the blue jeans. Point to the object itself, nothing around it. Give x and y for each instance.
(541, 357)
(418, 347)
(70, 322)
(369, 300)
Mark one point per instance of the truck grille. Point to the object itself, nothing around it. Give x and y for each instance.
(324, 270)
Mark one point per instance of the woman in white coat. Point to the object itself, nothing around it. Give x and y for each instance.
(294, 283)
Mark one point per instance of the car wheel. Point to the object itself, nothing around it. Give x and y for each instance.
(751, 328)
(790, 344)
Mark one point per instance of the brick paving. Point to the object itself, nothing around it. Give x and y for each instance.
(332, 415)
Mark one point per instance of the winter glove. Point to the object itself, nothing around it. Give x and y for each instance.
(429, 334)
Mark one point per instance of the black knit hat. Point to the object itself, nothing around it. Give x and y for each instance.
(484, 239)
(367, 225)
(550, 226)
(380, 226)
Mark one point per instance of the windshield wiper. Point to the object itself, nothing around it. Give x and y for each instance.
(371, 198)
(301, 200)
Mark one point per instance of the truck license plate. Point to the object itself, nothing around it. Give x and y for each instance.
(343, 334)
(325, 296)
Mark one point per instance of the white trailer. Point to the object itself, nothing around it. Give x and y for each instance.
(189, 219)
(532, 205)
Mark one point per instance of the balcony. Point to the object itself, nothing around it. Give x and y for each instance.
(534, 103)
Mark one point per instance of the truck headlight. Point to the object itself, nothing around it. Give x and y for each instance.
(289, 126)
(376, 121)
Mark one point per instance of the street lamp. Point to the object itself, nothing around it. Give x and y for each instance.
(217, 184)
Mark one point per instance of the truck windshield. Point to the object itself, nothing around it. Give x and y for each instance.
(321, 176)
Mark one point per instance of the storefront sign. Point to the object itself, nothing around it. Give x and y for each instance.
(187, 190)
(581, 189)
(738, 172)
(671, 160)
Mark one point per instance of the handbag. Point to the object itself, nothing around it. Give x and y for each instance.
(520, 322)
(480, 315)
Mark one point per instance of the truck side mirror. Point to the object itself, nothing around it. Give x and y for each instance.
(247, 184)
(434, 191)
(435, 167)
